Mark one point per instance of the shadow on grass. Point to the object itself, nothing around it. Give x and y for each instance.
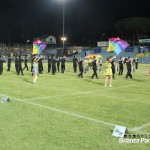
(26, 80)
(13, 72)
(93, 81)
(73, 75)
(138, 80)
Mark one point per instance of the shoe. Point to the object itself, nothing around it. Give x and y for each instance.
(110, 85)
(97, 78)
(105, 85)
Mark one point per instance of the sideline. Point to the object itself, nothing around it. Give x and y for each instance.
(140, 127)
(78, 116)
(62, 111)
(81, 116)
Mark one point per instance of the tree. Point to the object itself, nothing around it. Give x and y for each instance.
(137, 26)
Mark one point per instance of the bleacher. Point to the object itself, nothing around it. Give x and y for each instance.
(25, 49)
(129, 51)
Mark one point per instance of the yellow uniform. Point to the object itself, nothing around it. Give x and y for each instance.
(108, 70)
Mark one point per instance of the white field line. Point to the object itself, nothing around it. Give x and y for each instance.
(77, 115)
(80, 116)
(140, 127)
(46, 97)
(64, 112)
(101, 89)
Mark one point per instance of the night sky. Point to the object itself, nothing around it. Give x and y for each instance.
(85, 20)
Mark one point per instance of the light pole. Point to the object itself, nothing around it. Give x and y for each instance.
(63, 38)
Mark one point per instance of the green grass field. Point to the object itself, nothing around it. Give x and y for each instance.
(64, 112)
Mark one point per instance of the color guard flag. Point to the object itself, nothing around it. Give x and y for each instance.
(38, 47)
(116, 45)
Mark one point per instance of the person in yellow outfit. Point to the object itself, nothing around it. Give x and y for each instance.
(108, 71)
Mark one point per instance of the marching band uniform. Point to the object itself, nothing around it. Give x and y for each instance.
(53, 66)
(17, 64)
(1, 65)
(40, 66)
(9, 63)
(75, 61)
(128, 64)
(120, 66)
(58, 63)
(80, 63)
(25, 63)
(94, 66)
(63, 60)
(49, 63)
(20, 66)
(113, 69)
(136, 63)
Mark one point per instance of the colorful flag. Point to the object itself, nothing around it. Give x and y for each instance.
(38, 47)
(116, 45)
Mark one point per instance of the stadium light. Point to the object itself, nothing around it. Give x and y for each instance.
(63, 39)
(63, 23)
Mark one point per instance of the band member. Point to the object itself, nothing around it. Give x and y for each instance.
(40, 64)
(49, 63)
(94, 66)
(20, 66)
(80, 63)
(120, 66)
(63, 60)
(113, 68)
(136, 63)
(129, 67)
(1, 64)
(58, 62)
(17, 64)
(32, 59)
(26, 63)
(53, 65)
(9, 62)
(75, 62)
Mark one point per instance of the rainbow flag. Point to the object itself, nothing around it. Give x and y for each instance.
(38, 47)
(116, 45)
